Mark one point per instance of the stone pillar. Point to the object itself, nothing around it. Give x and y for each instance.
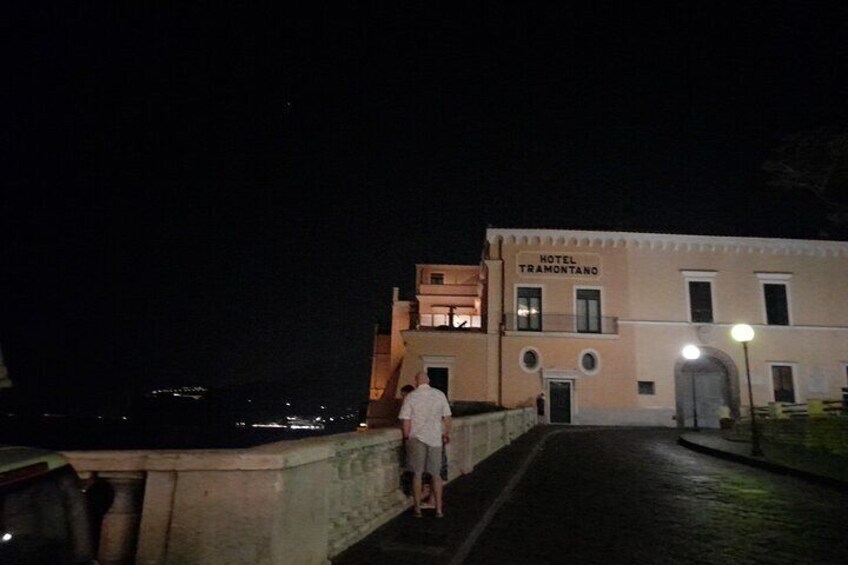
(119, 529)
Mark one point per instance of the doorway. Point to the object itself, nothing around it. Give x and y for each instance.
(439, 378)
(703, 393)
(559, 395)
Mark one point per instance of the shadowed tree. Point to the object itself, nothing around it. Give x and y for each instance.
(815, 163)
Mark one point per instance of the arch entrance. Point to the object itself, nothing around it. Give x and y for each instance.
(704, 388)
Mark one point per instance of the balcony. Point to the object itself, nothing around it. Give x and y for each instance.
(569, 323)
(445, 322)
(449, 290)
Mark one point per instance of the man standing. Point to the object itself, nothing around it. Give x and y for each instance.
(426, 419)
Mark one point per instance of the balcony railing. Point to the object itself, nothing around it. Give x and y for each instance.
(435, 322)
(449, 290)
(562, 323)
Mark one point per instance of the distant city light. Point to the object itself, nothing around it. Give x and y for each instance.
(6, 537)
(192, 392)
(291, 423)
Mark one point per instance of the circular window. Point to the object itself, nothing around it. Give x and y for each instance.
(589, 362)
(530, 359)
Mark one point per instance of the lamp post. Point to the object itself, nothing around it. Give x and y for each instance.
(743, 333)
(692, 352)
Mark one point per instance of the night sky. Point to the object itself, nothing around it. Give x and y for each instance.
(218, 195)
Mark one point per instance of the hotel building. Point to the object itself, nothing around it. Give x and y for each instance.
(598, 321)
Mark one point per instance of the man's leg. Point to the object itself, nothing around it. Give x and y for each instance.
(416, 492)
(436, 483)
(417, 452)
(426, 491)
(438, 488)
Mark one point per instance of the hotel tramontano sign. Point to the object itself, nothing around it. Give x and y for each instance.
(549, 264)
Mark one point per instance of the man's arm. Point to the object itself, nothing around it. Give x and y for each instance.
(446, 426)
(406, 426)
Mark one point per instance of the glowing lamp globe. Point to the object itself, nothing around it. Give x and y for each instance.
(743, 333)
(691, 352)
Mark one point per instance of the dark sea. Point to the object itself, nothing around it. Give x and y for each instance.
(68, 433)
(182, 417)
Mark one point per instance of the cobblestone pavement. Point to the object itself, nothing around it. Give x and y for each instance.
(635, 496)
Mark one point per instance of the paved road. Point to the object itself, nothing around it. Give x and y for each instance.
(635, 496)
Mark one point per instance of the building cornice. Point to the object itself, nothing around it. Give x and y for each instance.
(446, 266)
(668, 242)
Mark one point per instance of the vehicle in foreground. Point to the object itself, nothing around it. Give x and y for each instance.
(43, 512)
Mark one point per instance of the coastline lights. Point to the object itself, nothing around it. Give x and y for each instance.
(743, 333)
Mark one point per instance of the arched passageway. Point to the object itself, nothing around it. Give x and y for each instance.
(706, 388)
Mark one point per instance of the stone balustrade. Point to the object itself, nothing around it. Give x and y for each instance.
(293, 502)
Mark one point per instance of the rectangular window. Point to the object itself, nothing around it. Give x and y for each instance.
(784, 387)
(777, 306)
(437, 278)
(529, 308)
(588, 310)
(701, 302)
(646, 387)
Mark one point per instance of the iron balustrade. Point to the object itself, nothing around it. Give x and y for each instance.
(571, 323)
(436, 322)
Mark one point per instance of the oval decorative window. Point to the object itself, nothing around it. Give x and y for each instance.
(589, 362)
(529, 359)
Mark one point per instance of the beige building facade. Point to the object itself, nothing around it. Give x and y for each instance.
(598, 321)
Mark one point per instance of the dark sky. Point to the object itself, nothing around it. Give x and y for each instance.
(225, 194)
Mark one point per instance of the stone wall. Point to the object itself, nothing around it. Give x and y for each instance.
(293, 502)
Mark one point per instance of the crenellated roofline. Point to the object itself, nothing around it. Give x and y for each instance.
(668, 242)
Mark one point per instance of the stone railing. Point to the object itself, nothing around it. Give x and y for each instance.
(293, 502)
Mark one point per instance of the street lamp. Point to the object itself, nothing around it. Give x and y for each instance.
(692, 352)
(743, 333)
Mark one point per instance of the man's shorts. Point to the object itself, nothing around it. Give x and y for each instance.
(423, 458)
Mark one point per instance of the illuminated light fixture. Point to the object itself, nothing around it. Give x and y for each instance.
(743, 333)
(692, 352)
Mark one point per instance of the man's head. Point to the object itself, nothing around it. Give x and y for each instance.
(421, 378)
(406, 389)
